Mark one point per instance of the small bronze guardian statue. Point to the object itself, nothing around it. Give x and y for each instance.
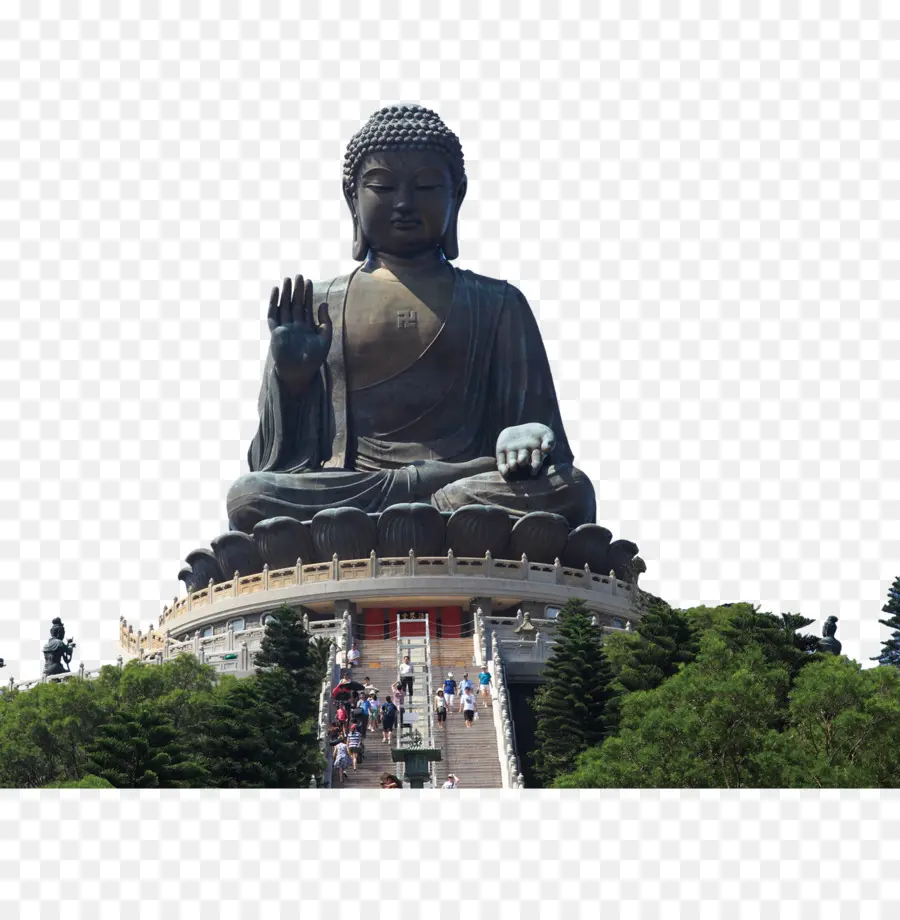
(57, 652)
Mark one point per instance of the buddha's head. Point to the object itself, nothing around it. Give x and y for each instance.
(404, 182)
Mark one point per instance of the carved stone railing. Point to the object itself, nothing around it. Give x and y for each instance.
(509, 761)
(388, 567)
(80, 673)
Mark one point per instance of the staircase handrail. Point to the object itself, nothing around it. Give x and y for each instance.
(509, 761)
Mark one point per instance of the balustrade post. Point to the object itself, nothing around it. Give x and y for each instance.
(266, 577)
(12, 683)
(451, 562)
(526, 567)
(190, 600)
(119, 662)
(613, 582)
(490, 563)
(557, 571)
(520, 618)
(201, 655)
(412, 563)
(373, 565)
(299, 571)
(197, 643)
(244, 660)
(234, 583)
(306, 622)
(335, 568)
(81, 670)
(587, 571)
(229, 637)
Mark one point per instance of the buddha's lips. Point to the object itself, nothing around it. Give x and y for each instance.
(406, 224)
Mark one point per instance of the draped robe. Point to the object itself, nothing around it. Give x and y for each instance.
(425, 433)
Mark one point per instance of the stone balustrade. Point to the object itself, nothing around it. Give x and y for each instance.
(509, 761)
(411, 566)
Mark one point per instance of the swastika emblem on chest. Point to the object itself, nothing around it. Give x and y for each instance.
(407, 319)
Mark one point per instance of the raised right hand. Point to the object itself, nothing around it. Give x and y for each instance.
(299, 346)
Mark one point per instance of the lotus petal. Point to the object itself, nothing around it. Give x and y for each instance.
(417, 527)
(349, 532)
(204, 566)
(236, 552)
(474, 530)
(587, 545)
(541, 536)
(281, 541)
(619, 559)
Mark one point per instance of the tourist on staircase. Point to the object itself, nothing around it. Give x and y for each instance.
(368, 687)
(449, 689)
(353, 656)
(484, 678)
(388, 720)
(440, 708)
(354, 741)
(342, 759)
(452, 782)
(399, 701)
(464, 685)
(373, 711)
(406, 677)
(469, 705)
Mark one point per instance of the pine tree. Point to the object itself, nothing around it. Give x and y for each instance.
(665, 640)
(571, 707)
(890, 648)
(777, 636)
(245, 740)
(286, 648)
(140, 749)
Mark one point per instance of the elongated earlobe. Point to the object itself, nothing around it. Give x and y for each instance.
(360, 243)
(450, 242)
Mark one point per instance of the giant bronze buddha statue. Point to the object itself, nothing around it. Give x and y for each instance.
(408, 380)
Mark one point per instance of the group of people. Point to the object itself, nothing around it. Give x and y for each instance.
(445, 697)
(362, 711)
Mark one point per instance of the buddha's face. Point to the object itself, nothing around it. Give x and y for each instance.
(405, 200)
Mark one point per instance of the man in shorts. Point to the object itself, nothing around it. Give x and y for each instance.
(440, 708)
(484, 679)
(388, 720)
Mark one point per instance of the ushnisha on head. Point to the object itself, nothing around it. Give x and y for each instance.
(404, 181)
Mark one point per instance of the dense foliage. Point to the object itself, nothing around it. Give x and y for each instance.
(170, 725)
(756, 707)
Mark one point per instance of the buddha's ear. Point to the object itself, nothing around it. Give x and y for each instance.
(360, 243)
(450, 242)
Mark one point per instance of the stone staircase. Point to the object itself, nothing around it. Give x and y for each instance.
(377, 660)
(470, 753)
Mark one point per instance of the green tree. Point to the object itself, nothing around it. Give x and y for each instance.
(843, 728)
(704, 727)
(890, 648)
(140, 749)
(43, 732)
(285, 651)
(776, 636)
(665, 639)
(245, 739)
(571, 707)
